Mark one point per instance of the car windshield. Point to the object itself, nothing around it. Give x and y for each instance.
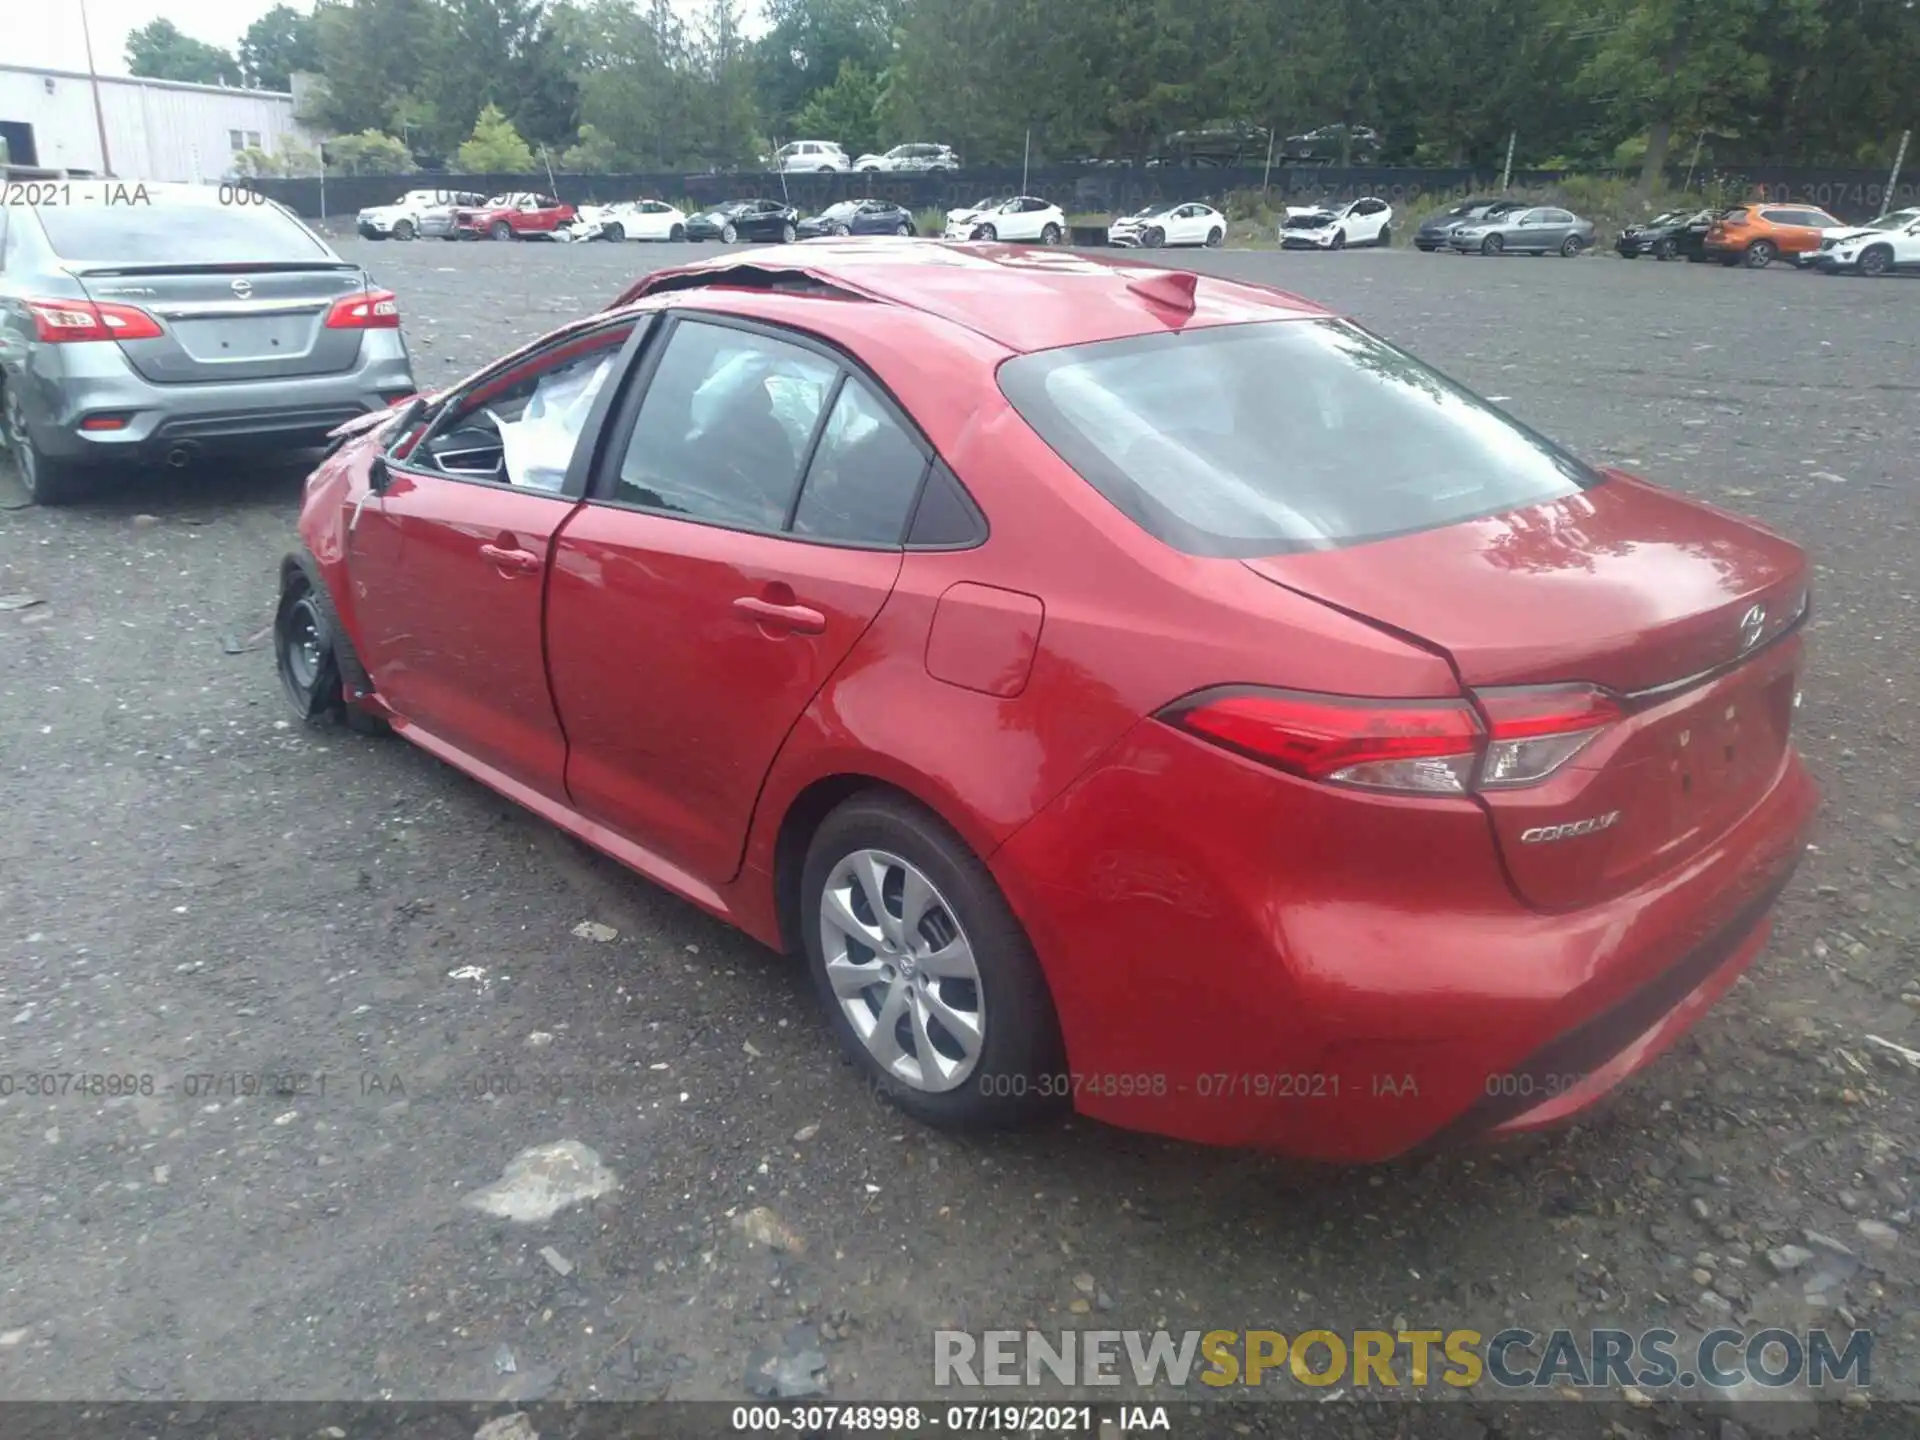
(1254, 439)
(840, 211)
(176, 233)
(1897, 220)
(992, 204)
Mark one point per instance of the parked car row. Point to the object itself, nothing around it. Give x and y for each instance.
(828, 157)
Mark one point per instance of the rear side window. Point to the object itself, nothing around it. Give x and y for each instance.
(864, 476)
(1241, 440)
(164, 233)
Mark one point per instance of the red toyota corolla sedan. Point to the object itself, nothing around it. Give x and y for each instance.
(1150, 694)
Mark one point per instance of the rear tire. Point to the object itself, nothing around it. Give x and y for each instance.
(47, 482)
(677, 235)
(1760, 254)
(1570, 247)
(860, 851)
(1216, 237)
(1386, 236)
(1050, 235)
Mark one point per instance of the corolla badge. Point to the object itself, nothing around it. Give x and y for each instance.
(1753, 625)
(1540, 834)
(243, 287)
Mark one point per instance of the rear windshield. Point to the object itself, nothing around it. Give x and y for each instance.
(1241, 440)
(183, 233)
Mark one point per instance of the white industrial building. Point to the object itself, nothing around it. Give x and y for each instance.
(162, 130)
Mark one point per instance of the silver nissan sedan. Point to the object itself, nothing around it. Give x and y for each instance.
(144, 324)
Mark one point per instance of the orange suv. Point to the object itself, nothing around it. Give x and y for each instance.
(1757, 234)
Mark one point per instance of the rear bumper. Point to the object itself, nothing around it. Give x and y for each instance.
(1242, 959)
(64, 390)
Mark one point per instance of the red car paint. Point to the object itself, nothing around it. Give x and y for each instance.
(1239, 955)
(539, 215)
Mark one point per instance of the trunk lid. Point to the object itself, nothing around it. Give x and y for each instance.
(235, 322)
(1644, 593)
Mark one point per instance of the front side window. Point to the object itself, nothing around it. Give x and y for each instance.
(520, 425)
(1256, 439)
(724, 426)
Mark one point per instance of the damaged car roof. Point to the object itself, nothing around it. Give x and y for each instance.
(1024, 298)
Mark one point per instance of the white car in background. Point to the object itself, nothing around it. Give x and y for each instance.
(1183, 224)
(1880, 247)
(402, 220)
(633, 220)
(914, 158)
(1019, 218)
(1367, 221)
(811, 157)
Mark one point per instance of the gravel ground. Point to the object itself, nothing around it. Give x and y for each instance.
(198, 891)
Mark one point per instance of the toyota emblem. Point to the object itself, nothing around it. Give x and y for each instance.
(243, 287)
(1752, 625)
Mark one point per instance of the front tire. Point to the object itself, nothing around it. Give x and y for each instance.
(1492, 245)
(786, 233)
(404, 230)
(616, 232)
(928, 979)
(985, 232)
(903, 230)
(311, 651)
(728, 234)
(1154, 238)
(1876, 261)
(499, 230)
(1760, 254)
(1339, 240)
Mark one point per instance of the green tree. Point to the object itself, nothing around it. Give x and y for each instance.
(807, 43)
(495, 147)
(1681, 66)
(158, 51)
(846, 111)
(369, 153)
(278, 44)
(373, 54)
(593, 153)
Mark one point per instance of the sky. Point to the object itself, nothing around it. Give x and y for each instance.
(49, 35)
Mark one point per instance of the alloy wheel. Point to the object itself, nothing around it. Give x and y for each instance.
(1492, 245)
(1760, 254)
(786, 233)
(404, 230)
(902, 970)
(728, 234)
(1876, 261)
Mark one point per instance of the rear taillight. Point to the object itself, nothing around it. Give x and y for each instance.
(1536, 729)
(1428, 746)
(1515, 737)
(370, 310)
(72, 322)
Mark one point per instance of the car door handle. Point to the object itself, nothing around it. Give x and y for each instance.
(505, 559)
(800, 619)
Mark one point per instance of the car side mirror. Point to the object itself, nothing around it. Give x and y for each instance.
(379, 477)
(379, 474)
